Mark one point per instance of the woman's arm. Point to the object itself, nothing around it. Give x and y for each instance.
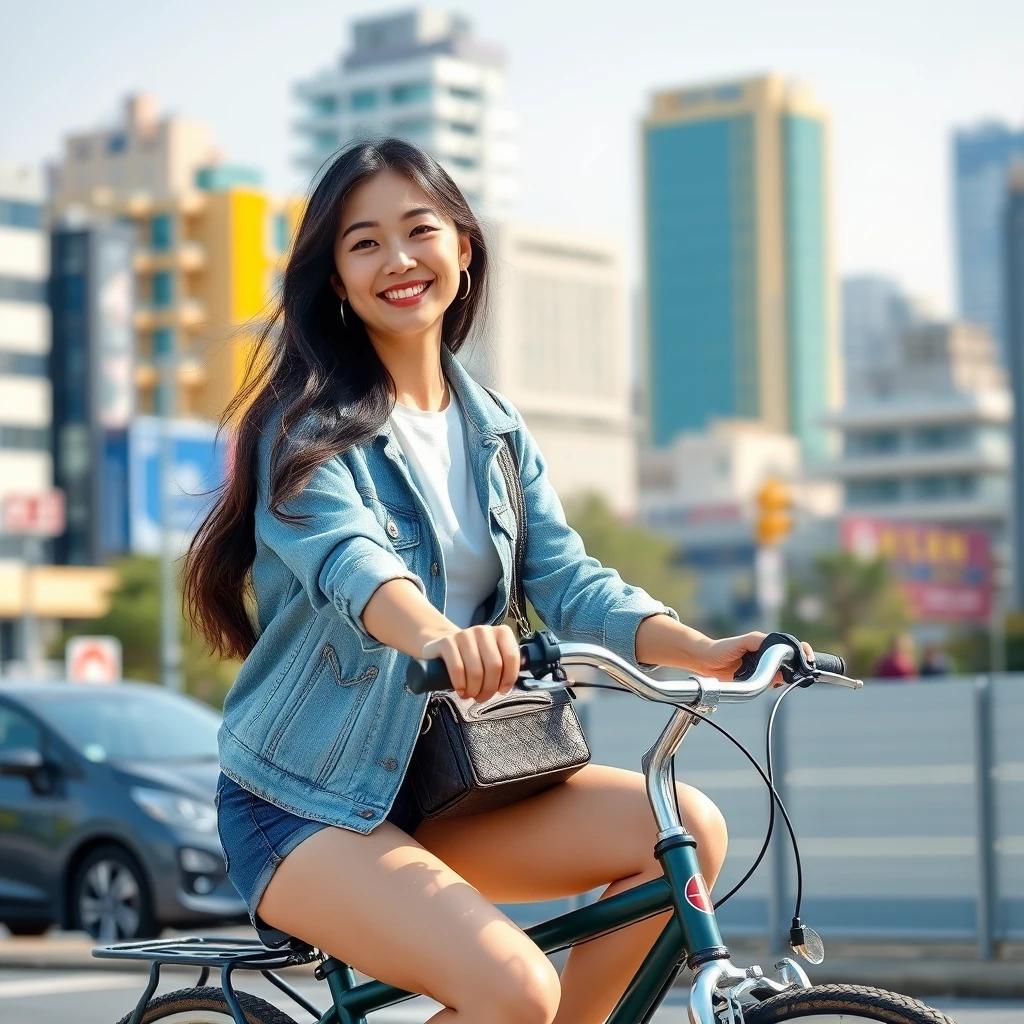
(400, 616)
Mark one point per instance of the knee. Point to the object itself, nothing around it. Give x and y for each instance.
(526, 992)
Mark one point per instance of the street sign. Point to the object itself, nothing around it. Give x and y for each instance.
(36, 515)
(93, 659)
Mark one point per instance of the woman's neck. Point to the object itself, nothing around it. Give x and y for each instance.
(415, 366)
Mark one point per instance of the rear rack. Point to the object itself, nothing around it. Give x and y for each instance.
(203, 951)
(227, 953)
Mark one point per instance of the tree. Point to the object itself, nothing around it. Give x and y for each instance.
(134, 618)
(641, 556)
(847, 605)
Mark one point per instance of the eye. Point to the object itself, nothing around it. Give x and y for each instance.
(428, 227)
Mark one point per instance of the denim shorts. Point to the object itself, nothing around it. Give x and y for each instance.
(257, 835)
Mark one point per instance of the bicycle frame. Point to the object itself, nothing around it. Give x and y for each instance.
(690, 935)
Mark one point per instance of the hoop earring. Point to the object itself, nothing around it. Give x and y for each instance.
(342, 308)
(469, 282)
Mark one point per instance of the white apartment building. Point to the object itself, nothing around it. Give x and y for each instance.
(557, 343)
(423, 76)
(25, 401)
(932, 443)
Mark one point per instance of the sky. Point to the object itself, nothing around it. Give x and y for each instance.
(897, 76)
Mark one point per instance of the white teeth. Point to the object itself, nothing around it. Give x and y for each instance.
(406, 293)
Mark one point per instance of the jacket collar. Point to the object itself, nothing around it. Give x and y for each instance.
(483, 412)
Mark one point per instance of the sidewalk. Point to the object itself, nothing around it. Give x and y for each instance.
(917, 971)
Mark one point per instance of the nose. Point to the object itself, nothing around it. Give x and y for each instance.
(399, 262)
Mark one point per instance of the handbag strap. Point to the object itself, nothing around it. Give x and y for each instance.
(514, 486)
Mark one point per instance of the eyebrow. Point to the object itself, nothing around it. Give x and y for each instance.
(415, 212)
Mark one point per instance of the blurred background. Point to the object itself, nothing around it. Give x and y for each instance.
(759, 294)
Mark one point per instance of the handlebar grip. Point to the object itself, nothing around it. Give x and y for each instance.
(830, 663)
(427, 676)
(538, 653)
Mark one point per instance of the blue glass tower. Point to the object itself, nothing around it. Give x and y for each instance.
(982, 157)
(738, 271)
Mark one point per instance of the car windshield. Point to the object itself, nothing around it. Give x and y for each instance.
(146, 724)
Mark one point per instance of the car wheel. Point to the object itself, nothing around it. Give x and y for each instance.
(110, 898)
(28, 928)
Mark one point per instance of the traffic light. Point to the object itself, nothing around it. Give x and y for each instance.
(773, 512)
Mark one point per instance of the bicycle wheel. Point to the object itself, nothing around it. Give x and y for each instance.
(208, 1006)
(843, 1004)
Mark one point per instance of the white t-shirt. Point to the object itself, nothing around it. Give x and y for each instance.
(435, 447)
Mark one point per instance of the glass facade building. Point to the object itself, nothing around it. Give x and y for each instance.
(738, 273)
(982, 157)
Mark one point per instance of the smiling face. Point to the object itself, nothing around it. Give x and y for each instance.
(398, 260)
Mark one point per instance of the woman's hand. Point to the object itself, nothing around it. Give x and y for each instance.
(481, 660)
(722, 658)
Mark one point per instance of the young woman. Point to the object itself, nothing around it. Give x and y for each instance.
(367, 516)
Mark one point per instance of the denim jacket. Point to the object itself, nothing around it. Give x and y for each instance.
(318, 720)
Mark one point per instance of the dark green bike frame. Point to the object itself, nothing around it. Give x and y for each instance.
(690, 935)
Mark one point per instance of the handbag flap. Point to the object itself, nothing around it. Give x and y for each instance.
(505, 705)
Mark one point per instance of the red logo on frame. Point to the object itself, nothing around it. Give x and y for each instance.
(697, 895)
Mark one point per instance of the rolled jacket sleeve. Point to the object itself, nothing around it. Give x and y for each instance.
(574, 594)
(340, 554)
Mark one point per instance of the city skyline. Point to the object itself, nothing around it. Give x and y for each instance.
(894, 91)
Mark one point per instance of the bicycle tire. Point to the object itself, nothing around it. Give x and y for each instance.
(843, 1004)
(208, 1006)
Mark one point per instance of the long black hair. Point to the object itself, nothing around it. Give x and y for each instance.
(315, 370)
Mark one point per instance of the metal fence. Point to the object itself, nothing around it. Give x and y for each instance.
(907, 799)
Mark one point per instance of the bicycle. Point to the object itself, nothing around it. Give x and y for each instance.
(720, 991)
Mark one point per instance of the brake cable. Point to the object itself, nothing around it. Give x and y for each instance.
(766, 778)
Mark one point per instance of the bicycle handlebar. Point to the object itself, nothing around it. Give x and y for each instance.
(542, 655)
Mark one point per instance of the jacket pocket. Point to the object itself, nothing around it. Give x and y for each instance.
(319, 717)
(342, 727)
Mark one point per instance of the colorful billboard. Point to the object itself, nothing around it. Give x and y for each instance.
(946, 571)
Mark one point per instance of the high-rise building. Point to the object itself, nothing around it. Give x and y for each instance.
(24, 340)
(1014, 263)
(423, 76)
(31, 589)
(982, 156)
(876, 313)
(740, 286)
(209, 244)
(558, 346)
(92, 372)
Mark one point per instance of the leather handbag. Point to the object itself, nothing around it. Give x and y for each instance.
(472, 757)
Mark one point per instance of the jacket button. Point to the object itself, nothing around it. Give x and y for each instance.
(435, 569)
(366, 813)
(392, 529)
(390, 764)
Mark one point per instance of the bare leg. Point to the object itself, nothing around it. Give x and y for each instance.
(594, 829)
(393, 910)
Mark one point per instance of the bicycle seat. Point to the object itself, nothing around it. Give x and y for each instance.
(275, 938)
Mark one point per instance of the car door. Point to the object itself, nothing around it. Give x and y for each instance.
(32, 815)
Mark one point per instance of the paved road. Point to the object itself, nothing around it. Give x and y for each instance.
(104, 997)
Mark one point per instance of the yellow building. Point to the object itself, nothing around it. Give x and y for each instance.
(207, 264)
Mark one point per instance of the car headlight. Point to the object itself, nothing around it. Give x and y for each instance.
(175, 809)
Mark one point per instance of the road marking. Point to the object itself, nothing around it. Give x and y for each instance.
(22, 988)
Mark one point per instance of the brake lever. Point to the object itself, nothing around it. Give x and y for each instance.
(837, 680)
